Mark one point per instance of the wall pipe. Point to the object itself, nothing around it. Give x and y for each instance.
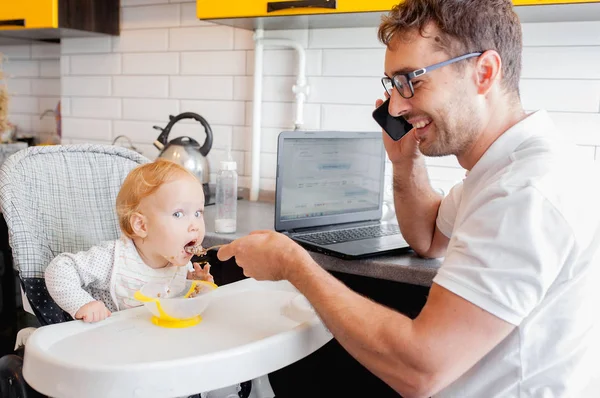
(300, 89)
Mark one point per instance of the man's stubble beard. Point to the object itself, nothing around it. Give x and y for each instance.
(457, 133)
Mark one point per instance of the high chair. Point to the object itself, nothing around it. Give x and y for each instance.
(56, 199)
(62, 199)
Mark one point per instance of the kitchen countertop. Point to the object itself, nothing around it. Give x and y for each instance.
(407, 268)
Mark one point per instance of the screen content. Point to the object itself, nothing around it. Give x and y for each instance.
(324, 177)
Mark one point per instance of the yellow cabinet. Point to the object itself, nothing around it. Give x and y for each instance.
(27, 14)
(294, 14)
(49, 20)
(210, 9)
(299, 14)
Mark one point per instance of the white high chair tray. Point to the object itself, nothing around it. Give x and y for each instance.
(249, 329)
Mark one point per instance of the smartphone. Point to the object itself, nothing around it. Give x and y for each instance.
(395, 127)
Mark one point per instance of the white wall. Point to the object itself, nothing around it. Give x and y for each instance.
(166, 62)
(32, 74)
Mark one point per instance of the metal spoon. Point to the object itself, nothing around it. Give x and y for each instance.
(201, 252)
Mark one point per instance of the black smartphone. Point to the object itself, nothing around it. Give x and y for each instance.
(395, 127)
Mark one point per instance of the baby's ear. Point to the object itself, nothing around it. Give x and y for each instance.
(138, 225)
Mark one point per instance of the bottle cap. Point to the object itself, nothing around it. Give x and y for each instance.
(228, 165)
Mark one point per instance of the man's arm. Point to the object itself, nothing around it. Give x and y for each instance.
(415, 201)
(417, 205)
(417, 358)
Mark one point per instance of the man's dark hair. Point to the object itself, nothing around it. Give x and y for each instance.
(465, 26)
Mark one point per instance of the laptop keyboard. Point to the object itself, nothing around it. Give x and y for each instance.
(350, 234)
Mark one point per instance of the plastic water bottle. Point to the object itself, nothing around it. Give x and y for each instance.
(226, 198)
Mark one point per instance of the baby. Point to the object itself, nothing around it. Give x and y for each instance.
(160, 208)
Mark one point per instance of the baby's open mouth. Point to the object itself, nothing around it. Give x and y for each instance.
(194, 247)
(189, 246)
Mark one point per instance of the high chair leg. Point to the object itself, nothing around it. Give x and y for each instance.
(12, 383)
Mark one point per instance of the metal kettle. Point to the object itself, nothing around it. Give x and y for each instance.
(187, 151)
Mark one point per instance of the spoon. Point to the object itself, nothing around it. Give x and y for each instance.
(196, 250)
(201, 252)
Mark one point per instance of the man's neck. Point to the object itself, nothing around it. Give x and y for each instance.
(503, 118)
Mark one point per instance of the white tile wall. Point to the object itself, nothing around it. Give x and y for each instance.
(131, 41)
(102, 64)
(166, 61)
(150, 64)
(228, 63)
(212, 37)
(157, 16)
(32, 75)
(141, 86)
(202, 87)
(77, 86)
(86, 45)
(105, 108)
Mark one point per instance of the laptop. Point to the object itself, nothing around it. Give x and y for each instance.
(329, 193)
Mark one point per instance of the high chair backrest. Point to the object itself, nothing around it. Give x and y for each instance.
(59, 199)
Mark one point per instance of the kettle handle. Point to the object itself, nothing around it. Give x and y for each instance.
(205, 148)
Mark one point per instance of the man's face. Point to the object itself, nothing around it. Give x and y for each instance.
(443, 109)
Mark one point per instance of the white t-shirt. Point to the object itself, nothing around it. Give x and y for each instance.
(524, 229)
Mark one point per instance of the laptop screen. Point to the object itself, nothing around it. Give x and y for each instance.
(328, 177)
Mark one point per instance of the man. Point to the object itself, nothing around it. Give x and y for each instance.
(510, 311)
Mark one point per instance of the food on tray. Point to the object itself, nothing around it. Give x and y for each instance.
(197, 290)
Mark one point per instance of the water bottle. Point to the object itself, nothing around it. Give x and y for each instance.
(226, 198)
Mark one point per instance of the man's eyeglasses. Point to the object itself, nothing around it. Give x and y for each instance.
(403, 81)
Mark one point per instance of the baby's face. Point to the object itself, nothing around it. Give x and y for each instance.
(175, 219)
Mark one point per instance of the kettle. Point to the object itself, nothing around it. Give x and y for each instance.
(187, 151)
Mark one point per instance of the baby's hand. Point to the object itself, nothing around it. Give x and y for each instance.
(200, 273)
(94, 311)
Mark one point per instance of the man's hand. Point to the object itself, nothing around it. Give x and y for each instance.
(405, 148)
(202, 274)
(94, 311)
(266, 255)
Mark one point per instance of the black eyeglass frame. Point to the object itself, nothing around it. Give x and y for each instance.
(421, 72)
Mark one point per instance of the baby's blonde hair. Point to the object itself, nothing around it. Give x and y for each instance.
(142, 182)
